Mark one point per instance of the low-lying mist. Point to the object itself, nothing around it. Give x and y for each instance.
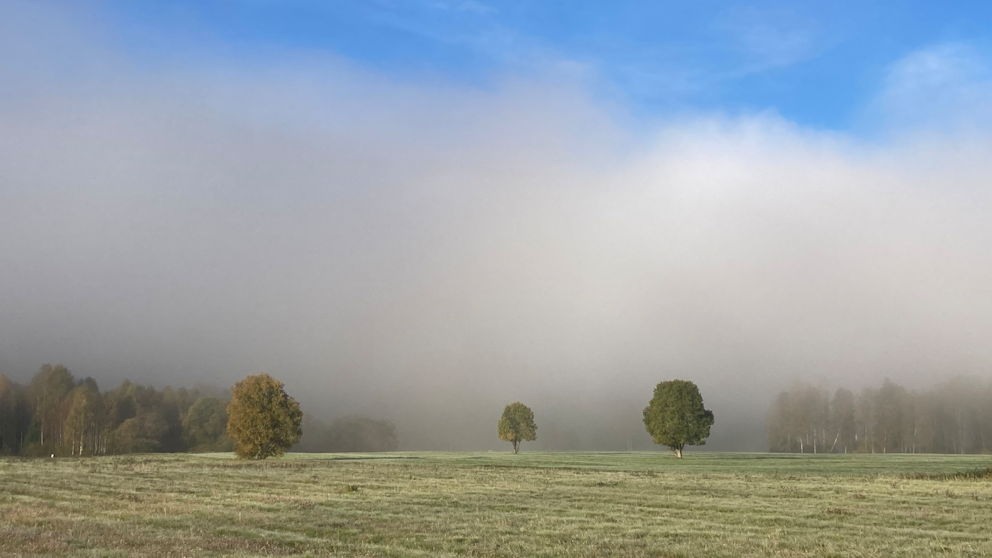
(426, 252)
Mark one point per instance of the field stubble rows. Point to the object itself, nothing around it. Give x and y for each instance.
(431, 504)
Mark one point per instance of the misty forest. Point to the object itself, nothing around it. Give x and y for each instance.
(56, 413)
(952, 417)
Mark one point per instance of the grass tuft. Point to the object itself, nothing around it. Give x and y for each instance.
(973, 474)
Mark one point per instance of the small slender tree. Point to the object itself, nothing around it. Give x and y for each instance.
(675, 417)
(262, 419)
(517, 425)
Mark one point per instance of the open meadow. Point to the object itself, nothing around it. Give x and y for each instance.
(495, 504)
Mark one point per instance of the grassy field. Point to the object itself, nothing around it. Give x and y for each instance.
(533, 504)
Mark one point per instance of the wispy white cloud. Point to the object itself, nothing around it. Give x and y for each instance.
(734, 44)
(462, 22)
(761, 40)
(944, 86)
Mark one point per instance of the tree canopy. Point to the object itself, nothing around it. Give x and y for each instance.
(517, 425)
(262, 419)
(205, 426)
(675, 417)
(56, 413)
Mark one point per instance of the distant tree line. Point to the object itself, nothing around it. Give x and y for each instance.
(953, 417)
(354, 433)
(55, 413)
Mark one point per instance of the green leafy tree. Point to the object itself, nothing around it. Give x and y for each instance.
(205, 426)
(15, 416)
(49, 389)
(675, 417)
(142, 433)
(517, 425)
(126, 435)
(81, 427)
(262, 419)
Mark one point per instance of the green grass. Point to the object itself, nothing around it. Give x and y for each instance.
(497, 504)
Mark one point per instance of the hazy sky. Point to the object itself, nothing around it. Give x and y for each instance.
(426, 210)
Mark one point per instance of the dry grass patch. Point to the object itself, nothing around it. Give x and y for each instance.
(622, 505)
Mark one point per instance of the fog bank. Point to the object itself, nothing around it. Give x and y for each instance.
(427, 252)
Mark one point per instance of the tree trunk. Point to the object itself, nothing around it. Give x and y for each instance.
(516, 447)
(678, 453)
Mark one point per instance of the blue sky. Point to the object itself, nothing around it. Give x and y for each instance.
(816, 63)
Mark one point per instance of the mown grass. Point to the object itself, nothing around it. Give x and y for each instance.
(533, 504)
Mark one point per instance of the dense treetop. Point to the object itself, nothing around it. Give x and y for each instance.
(517, 425)
(263, 420)
(675, 417)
